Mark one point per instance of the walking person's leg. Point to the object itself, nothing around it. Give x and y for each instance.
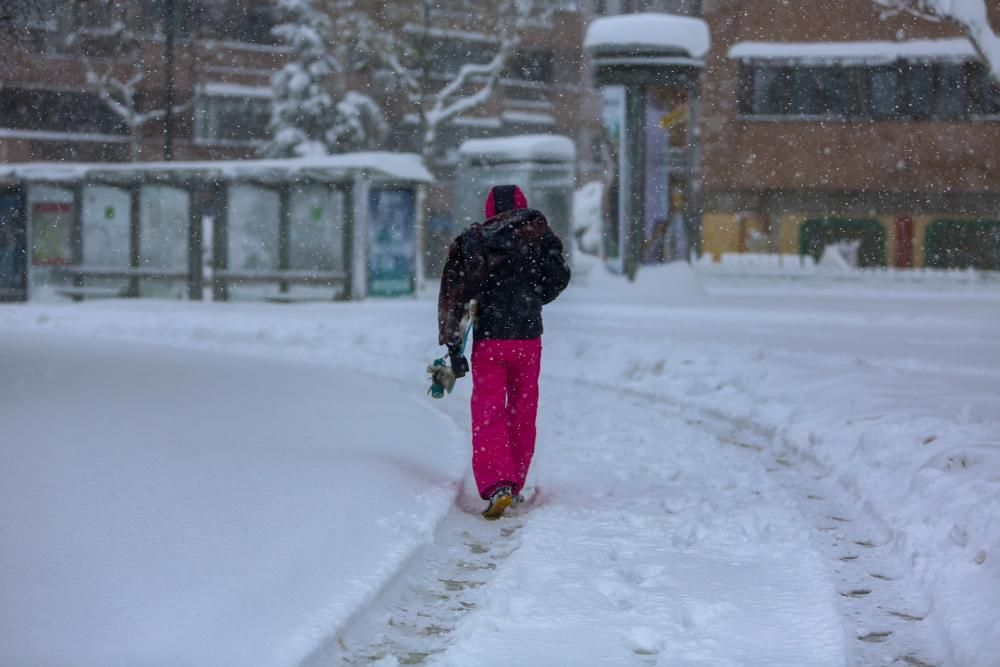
(492, 462)
(522, 405)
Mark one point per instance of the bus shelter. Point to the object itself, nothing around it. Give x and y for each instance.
(334, 227)
(543, 165)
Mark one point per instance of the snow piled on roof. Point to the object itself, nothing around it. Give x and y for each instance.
(525, 147)
(866, 52)
(650, 30)
(397, 166)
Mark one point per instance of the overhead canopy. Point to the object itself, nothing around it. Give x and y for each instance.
(856, 53)
(649, 32)
(523, 148)
(378, 166)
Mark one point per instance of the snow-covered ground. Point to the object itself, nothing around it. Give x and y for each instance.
(729, 472)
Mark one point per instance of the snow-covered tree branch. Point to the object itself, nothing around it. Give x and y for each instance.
(971, 16)
(305, 120)
(117, 80)
(401, 40)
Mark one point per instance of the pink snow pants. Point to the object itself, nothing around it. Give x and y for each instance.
(504, 406)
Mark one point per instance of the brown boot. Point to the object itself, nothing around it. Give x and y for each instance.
(499, 501)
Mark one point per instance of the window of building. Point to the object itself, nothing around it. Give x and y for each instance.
(448, 55)
(918, 89)
(187, 15)
(769, 91)
(952, 99)
(909, 91)
(251, 23)
(883, 92)
(231, 119)
(531, 65)
(93, 13)
(57, 111)
(984, 92)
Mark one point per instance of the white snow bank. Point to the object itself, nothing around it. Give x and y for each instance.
(525, 147)
(891, 390)
(587, 217)
(666, 31)
(164, 507)
(871, 53)
(671, 284)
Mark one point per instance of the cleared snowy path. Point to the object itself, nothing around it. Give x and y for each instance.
(660, 536)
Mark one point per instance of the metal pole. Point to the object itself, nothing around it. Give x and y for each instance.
(695, 203)
(135, 237)
(633, 179)
(170, 30)
(220, 242)
(197, 196)
(284, 232)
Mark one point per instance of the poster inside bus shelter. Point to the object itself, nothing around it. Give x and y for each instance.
(13, 249)
(613, 122)
(392, 242)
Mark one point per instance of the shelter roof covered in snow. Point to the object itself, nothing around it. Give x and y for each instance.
(872, 53)
(331, 168)
(527, 147)
(646, 31)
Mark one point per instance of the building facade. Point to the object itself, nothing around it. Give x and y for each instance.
(831, 121)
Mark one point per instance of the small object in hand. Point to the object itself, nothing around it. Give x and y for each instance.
(442, 379)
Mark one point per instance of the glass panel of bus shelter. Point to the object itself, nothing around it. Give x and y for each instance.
(106, 214)
(253, 230)
(163, 237)
(316, 234)
(105, 232)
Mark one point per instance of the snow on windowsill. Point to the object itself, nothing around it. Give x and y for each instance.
(48, 135)
(218, 89)
(958, 49)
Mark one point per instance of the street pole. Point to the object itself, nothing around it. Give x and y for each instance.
(170, 30)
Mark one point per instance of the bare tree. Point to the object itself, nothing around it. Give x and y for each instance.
(402, 39)
(112, 58)
(971, 16)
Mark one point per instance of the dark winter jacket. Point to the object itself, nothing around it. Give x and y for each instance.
(511, 264)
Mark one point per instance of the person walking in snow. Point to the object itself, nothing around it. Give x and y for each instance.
(510, 265)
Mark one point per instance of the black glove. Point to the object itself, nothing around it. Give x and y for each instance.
(459, 364)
